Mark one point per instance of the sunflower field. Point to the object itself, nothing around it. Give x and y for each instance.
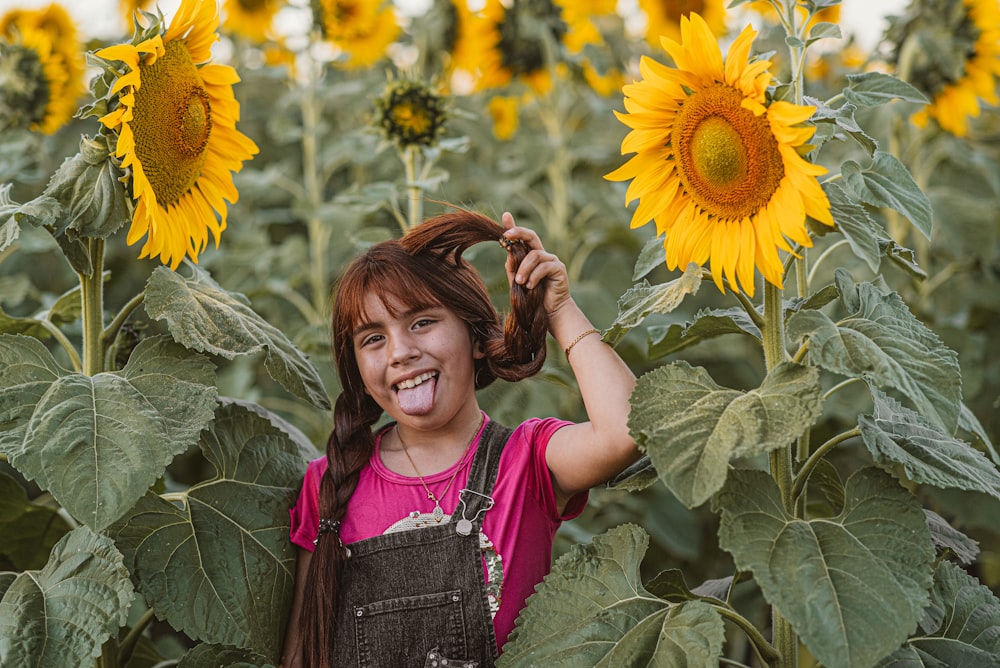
(811, 316)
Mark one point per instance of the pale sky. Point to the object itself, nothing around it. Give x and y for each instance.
(101, 18)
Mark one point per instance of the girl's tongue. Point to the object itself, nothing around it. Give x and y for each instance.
(417, 400)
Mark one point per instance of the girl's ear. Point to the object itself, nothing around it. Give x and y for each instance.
(477, 350)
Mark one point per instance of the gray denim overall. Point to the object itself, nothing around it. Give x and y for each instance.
(411, 598)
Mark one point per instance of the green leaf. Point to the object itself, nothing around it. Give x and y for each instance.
(706, 325)
(89, 190)
(823, 30)
(888, 183)
(946, 537)
(202, 316)
(869, 89)
(214, 656)
(968, 421)
(853, 586)
(883, 343)
(9, 229)
(961, 628)
(650, 257)
(62, 614)
(896, 435)
(843, 119)
(98, 442)
(643, 299)
(592, 610)
(692, 428)
(860, 230)
(215, 561)
(29, 530)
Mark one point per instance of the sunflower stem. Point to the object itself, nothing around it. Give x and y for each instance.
(783, 636)
(92, 301)
(319, 234)
(413, 189)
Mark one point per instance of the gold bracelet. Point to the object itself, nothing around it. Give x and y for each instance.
(580, 338)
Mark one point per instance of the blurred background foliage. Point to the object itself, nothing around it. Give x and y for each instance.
(533, 135)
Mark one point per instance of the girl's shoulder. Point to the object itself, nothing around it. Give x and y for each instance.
(535, 432)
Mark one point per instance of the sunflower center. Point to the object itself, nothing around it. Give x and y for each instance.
(172, 123)
(727, 158)
(251, 6)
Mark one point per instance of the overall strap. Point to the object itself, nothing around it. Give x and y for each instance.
(475, 499)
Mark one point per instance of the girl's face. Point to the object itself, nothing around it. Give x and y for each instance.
(417, 365)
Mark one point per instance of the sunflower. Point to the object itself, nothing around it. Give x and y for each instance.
(503, 109)
(251, 19)
(499, 44)
(663, 17)
(716, 167)
(41, 69)
(363, 29)
(952, 53)
(175, 118)
(411, 113)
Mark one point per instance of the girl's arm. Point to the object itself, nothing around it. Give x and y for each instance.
(291, 651)
(583, 455)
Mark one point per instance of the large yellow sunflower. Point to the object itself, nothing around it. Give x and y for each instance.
(42, 50)
(955, 100)
(363, 29)
(175, 116)
(716, 167)
(663, 17)
(251, 19)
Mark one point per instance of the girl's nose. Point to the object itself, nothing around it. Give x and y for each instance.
(402, 348)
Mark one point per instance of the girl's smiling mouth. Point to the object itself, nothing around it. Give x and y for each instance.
(416, 395)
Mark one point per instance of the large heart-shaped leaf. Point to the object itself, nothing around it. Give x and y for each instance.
(895, 435)
(961, 627)
(592, 610)
(61, 615)
(213, 656)
(202, 316)
(692, 428)
(854, 586)
(215, 561)
(881, 341)
(98, 442)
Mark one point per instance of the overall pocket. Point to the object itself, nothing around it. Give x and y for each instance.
(401, 631)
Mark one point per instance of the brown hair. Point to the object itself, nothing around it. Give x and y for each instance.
(424, 268)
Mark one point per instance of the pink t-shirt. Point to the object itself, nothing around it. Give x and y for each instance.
(517, 532)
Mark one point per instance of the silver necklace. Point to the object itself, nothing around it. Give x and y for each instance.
(438, 513)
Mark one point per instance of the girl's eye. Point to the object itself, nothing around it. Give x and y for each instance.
(371, 339)
(423, 322)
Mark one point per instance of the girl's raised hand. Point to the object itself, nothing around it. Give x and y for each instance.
(538, 264)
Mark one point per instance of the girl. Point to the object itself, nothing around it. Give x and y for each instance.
(421, 542)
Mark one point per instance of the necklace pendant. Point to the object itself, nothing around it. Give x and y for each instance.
(438, 513)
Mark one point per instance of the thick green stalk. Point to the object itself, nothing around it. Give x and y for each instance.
(783, 636)
(92, 299)
(319, 233)
(414, 192)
